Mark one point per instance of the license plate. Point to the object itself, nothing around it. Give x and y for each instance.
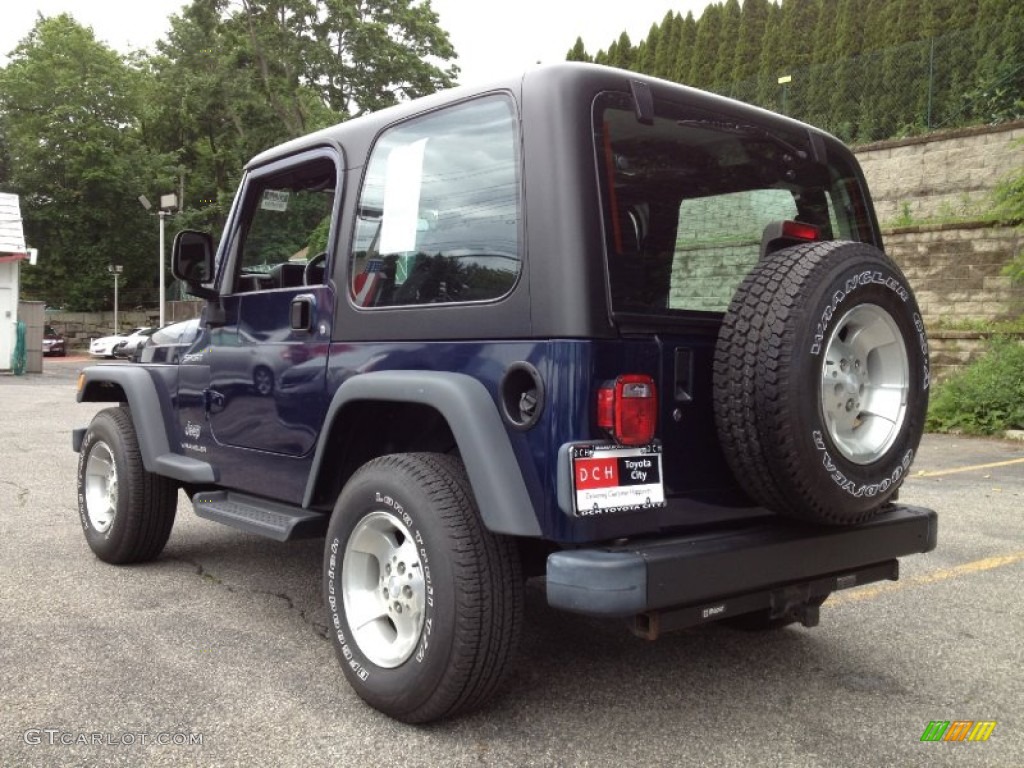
(607, 479)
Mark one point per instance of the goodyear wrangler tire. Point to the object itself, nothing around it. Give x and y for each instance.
(821, 381)
(126, 512)
(424, 603)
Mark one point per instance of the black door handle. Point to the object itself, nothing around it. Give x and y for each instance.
(215, 401)
(301, 316)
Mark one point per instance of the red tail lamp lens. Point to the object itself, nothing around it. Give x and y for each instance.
(628, 409)
(799, 231)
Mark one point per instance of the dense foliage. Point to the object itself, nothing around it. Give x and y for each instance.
(987, 397)
(863, 69)
(84, 130)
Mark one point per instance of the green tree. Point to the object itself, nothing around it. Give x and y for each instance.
(232, 79)
(725, 57)
(770, 61)
(796, 30)
(706, 45)
(647, 52)
(667, 46)
(846, 91)
(578, 52)
(623, 52)
(69, 106)
(753, 23)
(686, 49)
(998, 92)
(824, 64)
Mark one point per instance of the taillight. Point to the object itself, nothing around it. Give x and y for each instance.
(628, 409)
(800, 231)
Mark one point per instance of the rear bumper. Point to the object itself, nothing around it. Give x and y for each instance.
(708, 568)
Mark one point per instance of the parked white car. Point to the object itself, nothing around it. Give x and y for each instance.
(105, 345)
(134, 340)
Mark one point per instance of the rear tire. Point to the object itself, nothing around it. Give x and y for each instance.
(821, 381)
(126, 512)
(424, 603)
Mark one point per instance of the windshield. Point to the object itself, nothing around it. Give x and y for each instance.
(686, 201)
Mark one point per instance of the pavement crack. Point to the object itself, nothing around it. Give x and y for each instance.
(20, 490)
(318, 628)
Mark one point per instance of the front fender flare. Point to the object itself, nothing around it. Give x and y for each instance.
(472, 416)
(124, 383)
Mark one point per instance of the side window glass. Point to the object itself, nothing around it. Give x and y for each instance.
(438, 215)
(285, 234)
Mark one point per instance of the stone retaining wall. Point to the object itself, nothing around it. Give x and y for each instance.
(956, 271)
(944, 175)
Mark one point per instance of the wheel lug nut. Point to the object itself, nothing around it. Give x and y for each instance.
(407, 591)
(398, 607)
(401, 568)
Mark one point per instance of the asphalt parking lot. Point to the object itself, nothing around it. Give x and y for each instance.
(223, 638)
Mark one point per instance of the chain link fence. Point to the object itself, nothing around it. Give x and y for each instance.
(966, 77)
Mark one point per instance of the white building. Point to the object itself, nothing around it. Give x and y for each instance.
(12, 251)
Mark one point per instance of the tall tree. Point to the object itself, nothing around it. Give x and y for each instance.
(624, 52)
(725, 56)
(686, 49)
(706, 44)
(753, 23)
(578, 52)
(68, 106)
(237, 76)
(668, 45)
(846, 91)
(824, 62)
(647, 58)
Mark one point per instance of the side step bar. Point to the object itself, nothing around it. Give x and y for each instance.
(274, 520)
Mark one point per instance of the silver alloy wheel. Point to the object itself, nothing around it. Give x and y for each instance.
(383, 589)
(101, 487)
(865, 382)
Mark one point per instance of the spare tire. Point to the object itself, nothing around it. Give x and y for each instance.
(821, 381)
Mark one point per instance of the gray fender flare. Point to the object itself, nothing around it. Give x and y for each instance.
(472, 416)
(151, 423)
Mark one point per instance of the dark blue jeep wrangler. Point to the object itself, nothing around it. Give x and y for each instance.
(634, 339)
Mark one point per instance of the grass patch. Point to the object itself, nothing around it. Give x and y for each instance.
(987, 397)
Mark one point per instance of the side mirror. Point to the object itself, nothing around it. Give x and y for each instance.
(192, 261)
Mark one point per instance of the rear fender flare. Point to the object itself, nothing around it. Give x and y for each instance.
(472, 416)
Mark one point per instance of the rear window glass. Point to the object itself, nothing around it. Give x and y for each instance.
(687, 199)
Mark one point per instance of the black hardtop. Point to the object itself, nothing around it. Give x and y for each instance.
(562, 290)
(551, 86)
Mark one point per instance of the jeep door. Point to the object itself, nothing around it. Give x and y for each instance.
(277, 310)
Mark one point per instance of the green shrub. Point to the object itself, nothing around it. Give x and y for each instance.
(985, 398)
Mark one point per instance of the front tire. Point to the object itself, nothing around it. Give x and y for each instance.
(126, 512)
(424, 603)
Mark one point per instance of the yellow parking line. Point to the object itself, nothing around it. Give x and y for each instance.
(986, 564)
(941, 472)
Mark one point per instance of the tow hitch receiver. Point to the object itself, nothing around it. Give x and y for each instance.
(797, 601)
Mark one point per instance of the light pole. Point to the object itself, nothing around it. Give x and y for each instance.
(168, 204)
(784, 81)
(115, 270)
